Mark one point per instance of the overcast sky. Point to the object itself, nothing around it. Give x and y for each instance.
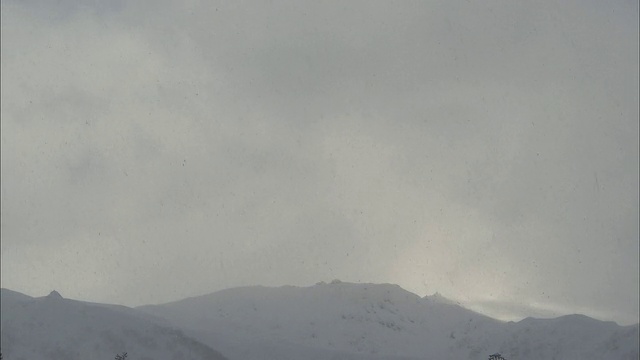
(486, 150)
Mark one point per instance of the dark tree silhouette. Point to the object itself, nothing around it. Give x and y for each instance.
(496, 356)
(122, 356)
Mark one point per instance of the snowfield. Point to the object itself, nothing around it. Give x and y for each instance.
(326, 321)
(382, 321)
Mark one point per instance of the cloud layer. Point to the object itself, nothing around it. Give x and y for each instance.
(489, 151)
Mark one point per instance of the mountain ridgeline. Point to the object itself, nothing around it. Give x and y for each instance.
(326, 321)
(54, 328)
(382, 321)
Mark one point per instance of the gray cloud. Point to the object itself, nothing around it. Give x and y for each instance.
(486, 151)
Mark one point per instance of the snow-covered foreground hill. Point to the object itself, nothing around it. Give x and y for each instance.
(368, 321)
(53, 328)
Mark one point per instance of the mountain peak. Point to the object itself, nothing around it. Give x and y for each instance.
(54, 295)
(438, 298)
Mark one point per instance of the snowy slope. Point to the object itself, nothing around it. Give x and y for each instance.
(52, 328)
(572, 337)
(368, 321)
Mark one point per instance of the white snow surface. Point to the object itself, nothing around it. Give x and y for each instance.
(54, 328)
(381, 321)
(327, 321)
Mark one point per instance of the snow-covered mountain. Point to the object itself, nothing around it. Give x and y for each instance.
(322, 322)
(54, 328)
(369, 321)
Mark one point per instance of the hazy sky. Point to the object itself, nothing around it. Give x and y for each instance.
(487, 150)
